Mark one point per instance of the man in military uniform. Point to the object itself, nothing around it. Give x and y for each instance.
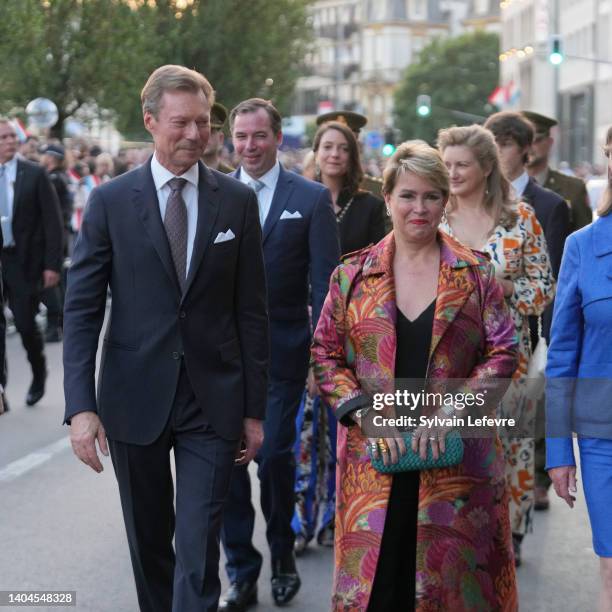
(355, 121)
(218, 115)
(572, 189)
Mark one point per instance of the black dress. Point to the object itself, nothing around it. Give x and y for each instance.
(394, 582)
(361, 220)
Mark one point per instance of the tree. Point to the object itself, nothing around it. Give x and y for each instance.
(75, 52)
(458, 74)
(239, 45)
(98, 53)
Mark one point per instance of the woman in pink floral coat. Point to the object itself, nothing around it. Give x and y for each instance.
(464, 558)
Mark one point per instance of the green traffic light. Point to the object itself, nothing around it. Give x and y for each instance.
(388, 150)
(556, 58)
(423, 110)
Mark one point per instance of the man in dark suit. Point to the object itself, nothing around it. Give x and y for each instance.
(301, 247)
(514, 135)
(571, 188)
(32, 252)
(185, 356)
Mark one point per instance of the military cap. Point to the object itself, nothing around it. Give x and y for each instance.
(355, 121)
(541, 122)
(218, 115)
(53, 149)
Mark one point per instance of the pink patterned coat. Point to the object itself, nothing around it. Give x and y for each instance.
(464, 548)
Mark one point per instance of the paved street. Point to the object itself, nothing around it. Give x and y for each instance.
(61, 526)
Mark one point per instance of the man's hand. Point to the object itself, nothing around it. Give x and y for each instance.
(564, 481)
(85, 429)
(50, 278)
(252, 439)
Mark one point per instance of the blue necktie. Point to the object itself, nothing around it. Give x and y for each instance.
(5, 213)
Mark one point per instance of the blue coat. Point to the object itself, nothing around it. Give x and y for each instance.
(579, 367)
(299, 255)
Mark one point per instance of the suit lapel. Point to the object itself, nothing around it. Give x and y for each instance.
(208, 209)
(145, 200)
(18, 185)
(284, 187)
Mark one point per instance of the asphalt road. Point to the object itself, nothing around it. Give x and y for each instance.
(61, 526)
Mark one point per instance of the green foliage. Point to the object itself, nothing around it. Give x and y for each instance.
(100, 52)
(458, 73)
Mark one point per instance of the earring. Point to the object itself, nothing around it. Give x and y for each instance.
(317, 173)
(388, 211)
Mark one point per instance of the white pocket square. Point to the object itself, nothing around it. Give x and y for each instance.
(291, 215)
(224, 236)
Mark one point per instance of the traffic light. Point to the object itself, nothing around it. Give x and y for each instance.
(389, 147)
(556, 50)
(423, 105)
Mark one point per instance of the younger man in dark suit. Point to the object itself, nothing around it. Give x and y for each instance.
(301, 249)
(32, 254)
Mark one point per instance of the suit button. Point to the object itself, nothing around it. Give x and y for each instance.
(175, 355)
(182, 314)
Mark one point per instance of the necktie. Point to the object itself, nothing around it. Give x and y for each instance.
(175, 222)
(257, 186)
(5, 213)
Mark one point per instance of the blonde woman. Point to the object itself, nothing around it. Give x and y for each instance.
(482, 214)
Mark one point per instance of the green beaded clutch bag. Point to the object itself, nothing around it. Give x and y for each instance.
(411, 461)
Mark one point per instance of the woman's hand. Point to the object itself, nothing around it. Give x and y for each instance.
(507, 286)
(311, 385)
(564, 481)
(435, 436)
(390, 449)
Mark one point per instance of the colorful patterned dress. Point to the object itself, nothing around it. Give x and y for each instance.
(464, 555)
(519, 253)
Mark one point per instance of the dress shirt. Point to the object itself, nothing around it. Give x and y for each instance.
(520, 184)
(10, 168)
(161, 176)
(266, 193)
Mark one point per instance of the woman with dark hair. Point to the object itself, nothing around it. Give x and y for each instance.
(482, 214)
(361, 221)
(579, 378)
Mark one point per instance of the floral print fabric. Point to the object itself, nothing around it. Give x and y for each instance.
(464, 552)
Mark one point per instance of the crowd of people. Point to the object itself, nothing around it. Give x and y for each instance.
(257, 312)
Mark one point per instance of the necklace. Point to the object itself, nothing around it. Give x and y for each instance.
(340, 215)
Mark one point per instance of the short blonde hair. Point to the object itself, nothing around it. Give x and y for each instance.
(172, 78)
(605, 205)
(416, 157)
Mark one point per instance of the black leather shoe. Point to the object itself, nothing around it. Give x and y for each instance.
(285, 580)
(36, 390)
(239, 597)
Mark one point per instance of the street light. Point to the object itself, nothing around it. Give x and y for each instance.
(423, 105)
(556, 50)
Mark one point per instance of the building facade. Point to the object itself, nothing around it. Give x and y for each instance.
(576, 91)
(362, 48)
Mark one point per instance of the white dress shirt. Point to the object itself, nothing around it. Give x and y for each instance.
(266, 193)
(520, 184)
(161, 176)
(10, 169)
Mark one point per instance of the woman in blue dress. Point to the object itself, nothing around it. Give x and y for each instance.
(579, 378)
